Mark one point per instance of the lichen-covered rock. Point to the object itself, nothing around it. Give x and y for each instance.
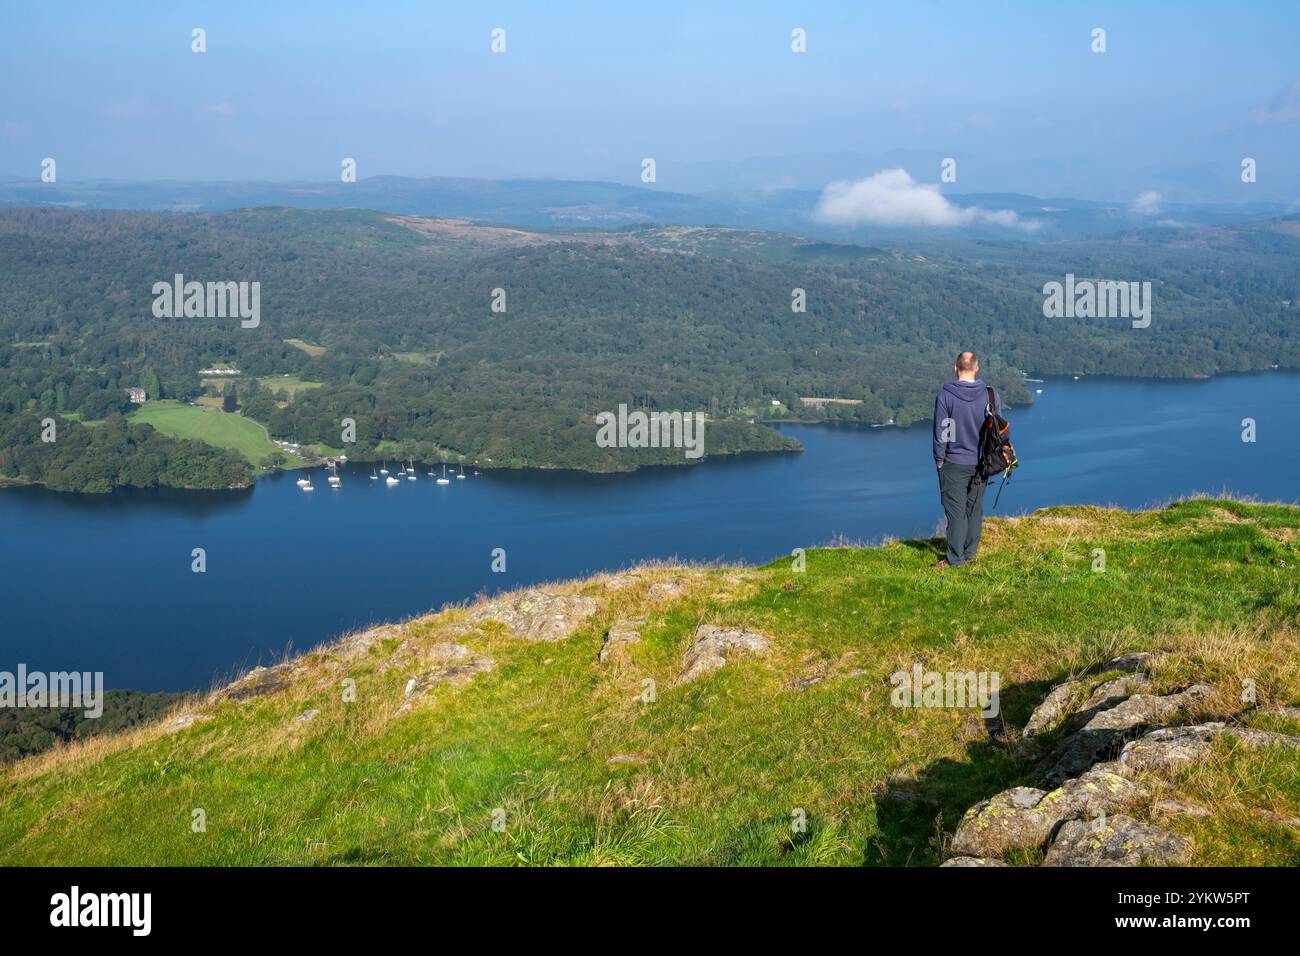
(536, 615)
(446, 652)
(181, 721)
(971, 861)
(620, 635)
(1180, 808)
(1095, 792)
(667, 589)
(1116, 841)
(620, 580)
(1143, 709)
(1024, 818)
(714, 646)
(1109, 693)
(359, 644)
(1053, 710)
(263, 681)
(1169, 748)
(1107, 729)
(1275, 818)
(452, 664)
(1133, 661)
(306, 716)
(1262, 738)
(1005, 822)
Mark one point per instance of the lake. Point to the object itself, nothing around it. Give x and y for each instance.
(104, 582)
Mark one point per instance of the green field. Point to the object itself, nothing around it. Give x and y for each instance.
(289, 383)
(582, 766)
(212, 426)
(315, 351)
(418, 358)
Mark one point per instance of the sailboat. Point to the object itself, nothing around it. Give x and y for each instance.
(390, 480)
(443, 480)
(384, 469)
(374, 475)
(334, 479)
(303, 481)
(461, 474)
(410, 471)
(306, 484)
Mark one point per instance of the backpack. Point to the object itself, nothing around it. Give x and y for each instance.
(996, 454)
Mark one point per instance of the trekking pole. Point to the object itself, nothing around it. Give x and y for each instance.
(998, 496)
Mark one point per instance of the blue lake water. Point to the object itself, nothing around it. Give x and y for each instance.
(103, 582)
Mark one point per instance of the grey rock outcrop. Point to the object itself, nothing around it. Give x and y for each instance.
(1116, 841)
(714, 646)
(971, 861)
(1005, 822)
(1133, 661)
(182, 721)
(537, 615)
(1099, 790)
(452, 664)
(1169, 748)
(1024, 818)
(620, 635)
(262, 681)
(1106, 695)
(1180, 808)
(1108, 729)
(1080, 823)
(1053, 710)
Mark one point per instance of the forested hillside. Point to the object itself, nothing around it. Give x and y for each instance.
(394, 316)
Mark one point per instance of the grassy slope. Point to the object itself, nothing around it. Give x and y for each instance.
(215, 427)
(731, 756)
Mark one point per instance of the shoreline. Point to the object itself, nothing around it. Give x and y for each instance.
(8, 482)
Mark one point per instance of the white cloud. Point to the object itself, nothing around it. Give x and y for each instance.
(1147, 204)
(892, 198)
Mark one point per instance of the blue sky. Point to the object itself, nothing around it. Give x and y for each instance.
(585, 90)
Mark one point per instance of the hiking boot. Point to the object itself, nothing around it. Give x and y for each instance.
(941, 564)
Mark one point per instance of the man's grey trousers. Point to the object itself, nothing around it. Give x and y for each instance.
(962, 494)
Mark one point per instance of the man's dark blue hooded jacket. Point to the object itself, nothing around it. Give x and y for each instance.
(964, 403)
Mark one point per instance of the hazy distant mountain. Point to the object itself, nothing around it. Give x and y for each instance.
(570, 204)
(1047, 176)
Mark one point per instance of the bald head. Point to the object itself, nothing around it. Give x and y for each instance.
(967, 366)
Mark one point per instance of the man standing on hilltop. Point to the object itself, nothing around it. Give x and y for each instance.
(959, 412)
